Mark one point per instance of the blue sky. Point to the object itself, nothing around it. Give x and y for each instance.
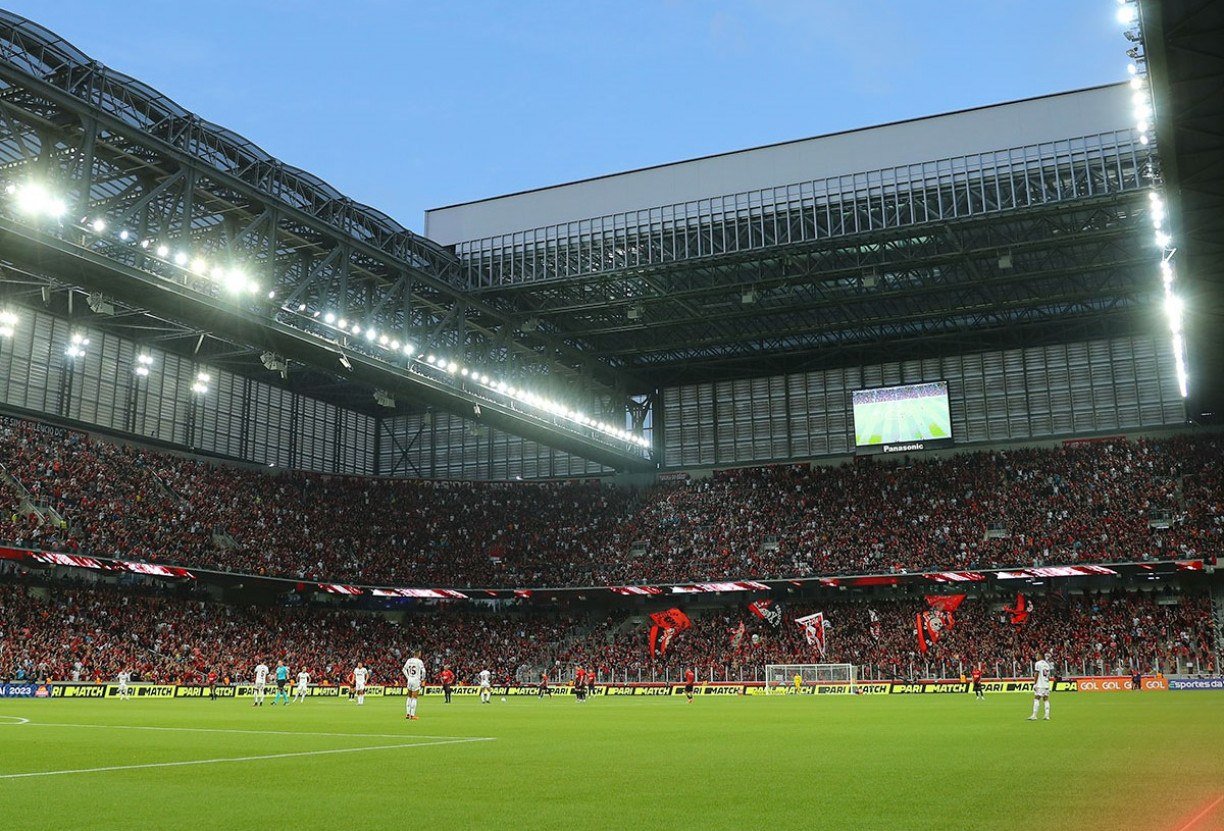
(411, 105)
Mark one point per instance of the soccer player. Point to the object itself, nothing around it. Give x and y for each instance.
(798, 682)
(282, 680)
(261, 682)
(1137, 681)
(690, 678)
(590, 682)
(414, 674)
(360, 674)
(486, 688)
(1041, 685)
(579, 684)
(448, 679)
(543, 689)
(212, 685)
(124, 678)
(303, 685)
(978, 692)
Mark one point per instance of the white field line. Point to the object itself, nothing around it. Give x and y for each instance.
(229, 759)
(27, 723)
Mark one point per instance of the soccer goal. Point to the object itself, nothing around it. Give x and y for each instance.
(781, 677)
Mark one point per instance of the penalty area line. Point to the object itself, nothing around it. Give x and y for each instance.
(232, 759)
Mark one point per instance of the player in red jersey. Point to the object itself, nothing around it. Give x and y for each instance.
(543, 689)
(448, 679)
(977, 683)
(579, 684)
(212, 684)
(690, 678)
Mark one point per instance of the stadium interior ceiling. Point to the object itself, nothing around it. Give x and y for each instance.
(862, 290)
(1184, 43)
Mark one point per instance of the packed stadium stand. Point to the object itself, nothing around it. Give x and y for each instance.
(1091, 503)
(62, 631)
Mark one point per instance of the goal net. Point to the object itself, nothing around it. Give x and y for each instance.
(781, 677)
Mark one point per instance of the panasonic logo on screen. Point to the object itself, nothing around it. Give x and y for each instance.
(904, 448)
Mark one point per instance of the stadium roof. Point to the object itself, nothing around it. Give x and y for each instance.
(1184, 46)
(1032, 245)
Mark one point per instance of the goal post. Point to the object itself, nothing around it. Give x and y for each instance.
(781, 677)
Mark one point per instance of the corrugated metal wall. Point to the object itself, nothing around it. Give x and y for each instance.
(445, 446)
(238, 417)
(1077, 388)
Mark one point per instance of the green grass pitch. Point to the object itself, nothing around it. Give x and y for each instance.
(1136, 761)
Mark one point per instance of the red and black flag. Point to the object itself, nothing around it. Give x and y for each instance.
(1020, 612)
(939, 618)
(667, 623)
(875, 627)
(813, 627)
(767, 611)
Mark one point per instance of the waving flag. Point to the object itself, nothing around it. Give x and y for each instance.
(813, 627)
(667, 623)
(939, 618)
(737, 638)
(1020, 612)
(875, 627)
(767, 611)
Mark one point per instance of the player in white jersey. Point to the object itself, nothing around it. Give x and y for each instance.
(360, 675)
(124, 678)
(486, 688)
(303, 685)
(261, 682)
(1042, 670)
(414, 674)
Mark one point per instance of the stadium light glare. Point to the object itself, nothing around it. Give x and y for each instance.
(8, 324)
(98, 225)
(199, 266)
(125, 235)
(394, 345)
(451, 367)
(34, 199)
(180, 258)
(162, 250)
(1143, 111)
(1173, 309)
(371, 335)
(329, 318)
(342, 323)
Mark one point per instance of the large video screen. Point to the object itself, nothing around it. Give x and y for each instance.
(901, 419)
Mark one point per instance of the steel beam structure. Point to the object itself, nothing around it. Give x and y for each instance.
(119, 151)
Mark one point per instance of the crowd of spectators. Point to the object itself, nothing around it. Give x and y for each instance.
(93, 633)
(1094, 634)
(87, 634)
(1090, 502)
